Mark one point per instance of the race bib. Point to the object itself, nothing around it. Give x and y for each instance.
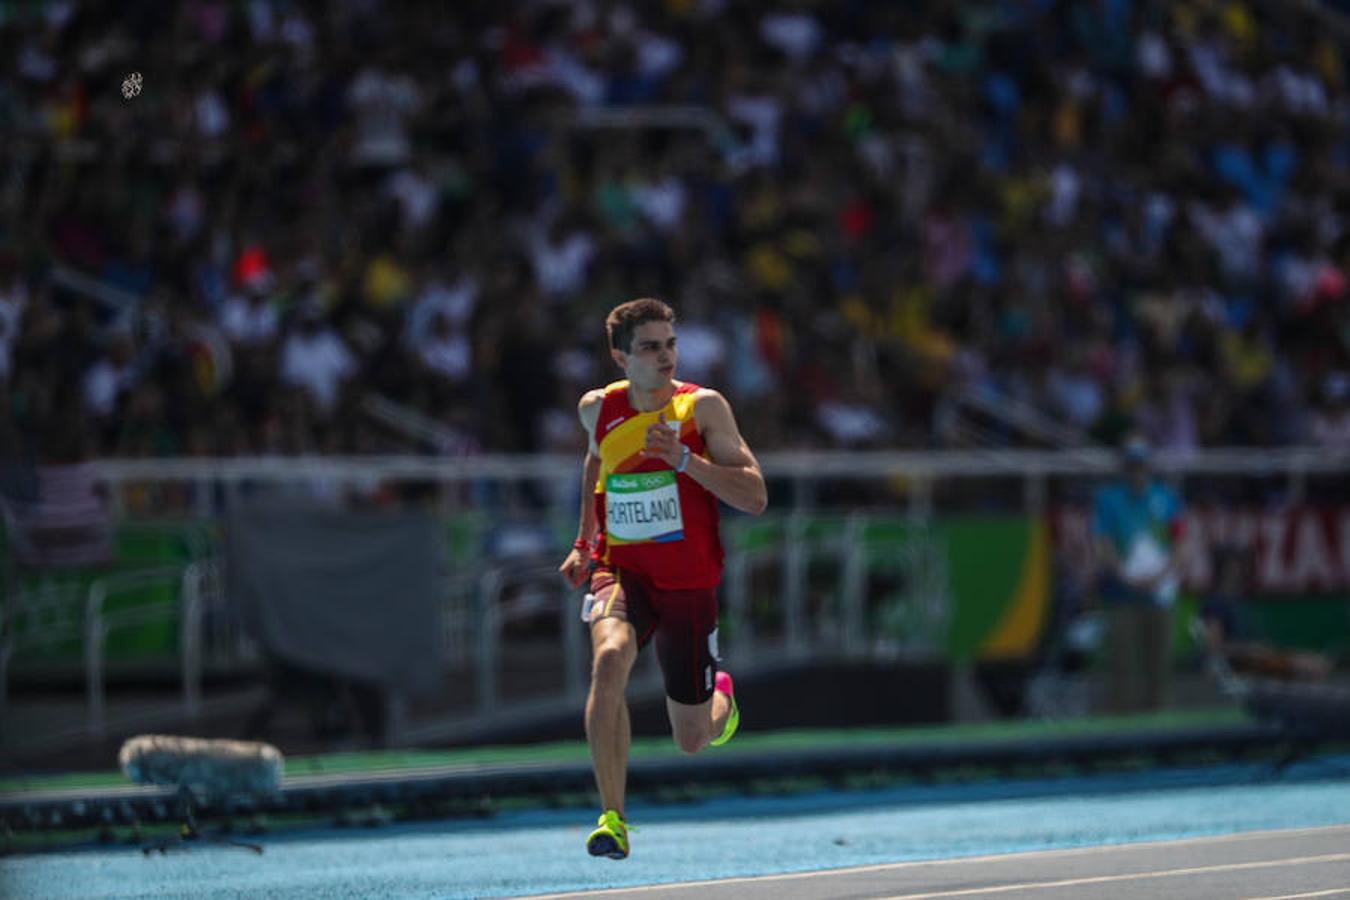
(643, 506)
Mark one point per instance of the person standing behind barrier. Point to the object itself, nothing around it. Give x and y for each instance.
(1137, 522)
(661, 453)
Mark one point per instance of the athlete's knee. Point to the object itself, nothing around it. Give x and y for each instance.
(611, 661)
(692, 740)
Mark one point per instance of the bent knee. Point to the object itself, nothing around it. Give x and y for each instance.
(691, 741)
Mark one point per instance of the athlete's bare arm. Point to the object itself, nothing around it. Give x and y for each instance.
(731, 473)
(576, 566)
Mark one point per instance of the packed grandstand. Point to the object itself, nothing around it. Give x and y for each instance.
(1102, 215)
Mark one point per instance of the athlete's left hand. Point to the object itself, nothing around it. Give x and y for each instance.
(662, 442)
(576, 568)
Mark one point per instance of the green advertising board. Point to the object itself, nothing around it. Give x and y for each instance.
(144, 574)
(968, 588)
(999, 586)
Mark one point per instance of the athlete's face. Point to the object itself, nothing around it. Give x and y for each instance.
(650, 362)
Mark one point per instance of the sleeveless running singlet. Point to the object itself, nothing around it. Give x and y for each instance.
(654, 522)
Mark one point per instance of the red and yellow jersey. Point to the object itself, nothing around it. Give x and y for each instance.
(654, 522)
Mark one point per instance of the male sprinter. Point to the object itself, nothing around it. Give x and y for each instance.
(661, 454)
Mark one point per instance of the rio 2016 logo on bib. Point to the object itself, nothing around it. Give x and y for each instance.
(642, 507)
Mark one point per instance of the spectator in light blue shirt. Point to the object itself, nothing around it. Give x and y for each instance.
(1137, 520)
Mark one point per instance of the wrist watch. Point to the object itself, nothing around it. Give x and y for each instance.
(684, 458)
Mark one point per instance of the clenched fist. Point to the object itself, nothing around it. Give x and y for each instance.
(576, 567)
(663, 442)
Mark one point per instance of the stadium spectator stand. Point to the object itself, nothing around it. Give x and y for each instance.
(1125, 214)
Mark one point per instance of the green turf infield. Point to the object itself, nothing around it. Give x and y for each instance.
(746, 742)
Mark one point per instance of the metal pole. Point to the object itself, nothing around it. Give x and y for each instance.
(1034, 490)
(190, 640)
(853, 583)
(489, 637)
(1298, 483)
(737, 581)
(94, 635)
(920, 499)
(795, 560)
(6, 650)
(573, 647)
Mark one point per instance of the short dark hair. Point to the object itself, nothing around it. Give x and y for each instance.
(624, 319)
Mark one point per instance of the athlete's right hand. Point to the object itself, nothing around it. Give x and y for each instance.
(576, 567)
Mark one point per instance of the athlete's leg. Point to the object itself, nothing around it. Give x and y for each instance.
(614, 648)
(686, 644)
(693, 726)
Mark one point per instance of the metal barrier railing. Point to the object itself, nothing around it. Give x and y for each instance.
(98, 622)
(489, 611)
(44, 610)
(474, 616)
(196, 598)
(844, 543)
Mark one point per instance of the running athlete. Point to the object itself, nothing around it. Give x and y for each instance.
(661, 454)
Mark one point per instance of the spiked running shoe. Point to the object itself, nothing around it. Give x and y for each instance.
(611, 838)
(724, 685)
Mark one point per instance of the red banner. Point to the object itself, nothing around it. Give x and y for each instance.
(1303, 550)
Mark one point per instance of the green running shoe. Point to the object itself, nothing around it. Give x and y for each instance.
(611, 838)
(724, 686)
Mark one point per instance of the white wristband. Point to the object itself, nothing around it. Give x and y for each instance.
(684, 458)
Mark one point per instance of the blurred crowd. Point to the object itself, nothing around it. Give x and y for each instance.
(349, 227)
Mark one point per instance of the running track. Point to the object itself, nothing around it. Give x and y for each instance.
(1218, 832)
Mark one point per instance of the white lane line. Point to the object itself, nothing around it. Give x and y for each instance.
(1128, 876)
(1235, 837)
(1331, 893)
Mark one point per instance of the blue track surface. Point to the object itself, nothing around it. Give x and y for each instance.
(540, 852)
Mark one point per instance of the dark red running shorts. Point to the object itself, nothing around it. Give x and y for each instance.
(684, 623)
